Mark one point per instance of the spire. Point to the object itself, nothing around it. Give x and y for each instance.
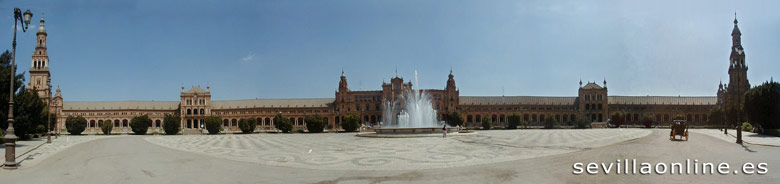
(342, 72)
(735, 18)
(580, 82)
(396, 72)
(605, 82)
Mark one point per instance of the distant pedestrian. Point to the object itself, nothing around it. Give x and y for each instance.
(444, 131)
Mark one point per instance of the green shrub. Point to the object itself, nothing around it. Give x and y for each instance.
(486, 123)
(525, 124)
(40, 129)
(282, 124)
(453, 119)
(351, 123)
(75, 125)
(747, 126)
(213, 124)
(315, 124)
(106, 127)
(513, 121)
(171, 124)
(140, 124)
(247, 125)
(549, 122)
(582, 123)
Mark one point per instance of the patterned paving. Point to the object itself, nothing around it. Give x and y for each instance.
(345, 151)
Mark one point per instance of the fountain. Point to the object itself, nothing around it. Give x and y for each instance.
(411, 113)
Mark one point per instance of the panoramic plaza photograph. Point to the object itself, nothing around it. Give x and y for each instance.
(386, 91)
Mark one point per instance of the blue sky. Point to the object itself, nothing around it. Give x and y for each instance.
(147, 50)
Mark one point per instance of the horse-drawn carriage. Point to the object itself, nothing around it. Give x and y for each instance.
(679, 128)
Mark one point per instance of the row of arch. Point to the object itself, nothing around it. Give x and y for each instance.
(120, 124)
(195, 111)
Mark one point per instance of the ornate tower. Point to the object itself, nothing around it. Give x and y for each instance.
(452, 93)
(39, 70)
(738, 82)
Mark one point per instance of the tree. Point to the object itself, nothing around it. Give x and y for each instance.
(213, 124)
(171, 124)
(647, 120)
(486, 123)
(282, 123)
(549, 122)
(582, 123)
(454, 119)
(247, 125)
(140, 124)
(617, 118)
(715, 116)
(762, 105)
(733, 115)
(5, 70)
(315, 124)
(75, 125)
(512, 121)
(106, 127)
(351, 122)
(28, 113)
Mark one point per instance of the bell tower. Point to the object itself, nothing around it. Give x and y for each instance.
(39, 70)
(738, 81)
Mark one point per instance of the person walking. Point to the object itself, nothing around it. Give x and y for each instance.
(444, 130)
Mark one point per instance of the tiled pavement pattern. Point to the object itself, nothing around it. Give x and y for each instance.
(345, 151)
(32, 157)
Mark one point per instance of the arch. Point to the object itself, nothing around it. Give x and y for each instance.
(533, 117)
(479, 118)
(233, 122)
(225, 122)
(189, 111)
(337, 120)
(202, 111)
(189, 123)
(157, 123)
(267, 121)
(493, 118)
(502, 118)
(91, 123)
(124, 123)
(259, 121)
(116, 123)
(300, 121)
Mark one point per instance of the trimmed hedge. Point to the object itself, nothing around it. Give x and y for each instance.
(140, 124)
(106, 127)
(75, 125)
(247, 125)
(171, 124)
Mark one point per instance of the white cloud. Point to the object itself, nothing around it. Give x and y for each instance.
(248, 58)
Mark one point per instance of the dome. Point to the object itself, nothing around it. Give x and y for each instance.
(41, 29)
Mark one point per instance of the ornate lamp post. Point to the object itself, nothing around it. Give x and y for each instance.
(48, 114)
(10, 138)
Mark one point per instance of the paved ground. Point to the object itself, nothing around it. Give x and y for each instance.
(131, 159)
(747, 137)
(346, 151)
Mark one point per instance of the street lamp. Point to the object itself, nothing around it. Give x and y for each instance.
(10, 138)
(48, 114)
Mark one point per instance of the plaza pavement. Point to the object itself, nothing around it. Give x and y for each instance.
(132, 159)
(345, 151)
(747, 137)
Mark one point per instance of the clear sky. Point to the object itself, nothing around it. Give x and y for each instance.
(147, 50)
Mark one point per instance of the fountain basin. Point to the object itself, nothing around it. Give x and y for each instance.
(412, 132)
(428, 130)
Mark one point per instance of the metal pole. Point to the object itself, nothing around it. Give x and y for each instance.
(48, 114)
